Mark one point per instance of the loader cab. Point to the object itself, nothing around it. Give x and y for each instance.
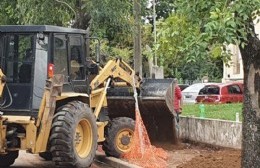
(31, 54)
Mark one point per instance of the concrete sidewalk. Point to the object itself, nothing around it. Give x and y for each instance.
(114, 162)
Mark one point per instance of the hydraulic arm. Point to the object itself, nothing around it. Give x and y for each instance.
(115, 71)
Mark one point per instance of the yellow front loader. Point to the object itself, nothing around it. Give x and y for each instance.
(60, 105)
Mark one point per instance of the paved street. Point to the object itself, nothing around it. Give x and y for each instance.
(26, 160)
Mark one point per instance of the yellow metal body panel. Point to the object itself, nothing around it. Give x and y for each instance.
(45, 125)
(2, 82)
(52, 90)
(101, 131)
(2, 136)
(32, 140)
(114, 69)
(28, 140)
(71, 94)
(41, 110)
(121, 84)
(17, 119)
(98, 101)
(2, 127)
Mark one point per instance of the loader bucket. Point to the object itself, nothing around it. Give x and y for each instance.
(155, 104)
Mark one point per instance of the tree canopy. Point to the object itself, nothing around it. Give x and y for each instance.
(174, 50)
(106, 18)
(224, 22)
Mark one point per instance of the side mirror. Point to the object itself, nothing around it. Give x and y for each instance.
(40, 36)
(97, 47)
(93, 69)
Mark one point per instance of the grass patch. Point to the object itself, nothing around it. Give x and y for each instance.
(219, 111)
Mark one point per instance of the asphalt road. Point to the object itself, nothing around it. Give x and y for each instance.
(27, 160)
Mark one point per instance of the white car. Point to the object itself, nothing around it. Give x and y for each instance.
(190, 93)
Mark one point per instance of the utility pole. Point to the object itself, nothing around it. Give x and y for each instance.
(157, 72)
(154, 31)
(137, 37)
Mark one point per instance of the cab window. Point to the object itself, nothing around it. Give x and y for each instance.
(76, 57)
(19, 58)
(1, 47)
(60, 54)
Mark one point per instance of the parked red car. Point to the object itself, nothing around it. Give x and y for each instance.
(221, 93)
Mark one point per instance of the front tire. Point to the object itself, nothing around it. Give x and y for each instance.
(46, 155)
(119, 135)
(73, 139)
(8, 159)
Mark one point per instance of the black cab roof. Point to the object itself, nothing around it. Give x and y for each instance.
(39, 28)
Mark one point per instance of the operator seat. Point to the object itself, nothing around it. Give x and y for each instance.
(75, 63)
(25, 73)
(25, 70)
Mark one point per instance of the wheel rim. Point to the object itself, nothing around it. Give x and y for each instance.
(124, 140)
(83, 138)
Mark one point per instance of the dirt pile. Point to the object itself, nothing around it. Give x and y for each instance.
(218, 159)
(197, 155)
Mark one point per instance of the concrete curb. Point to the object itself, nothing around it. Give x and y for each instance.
(114, 162)
(212, 131)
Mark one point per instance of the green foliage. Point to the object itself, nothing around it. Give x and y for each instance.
(42, 12)
(110, 18)
(220, 111)
(170, 39)
(231, 22)
(109, 52)
(7, 12)
(147, 40)
(222, 22)
(163, 9)
(113, 18)
(194, 38)
(182, 53)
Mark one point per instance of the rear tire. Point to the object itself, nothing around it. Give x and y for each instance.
(73, 139)
(8, 159)
(119, 135)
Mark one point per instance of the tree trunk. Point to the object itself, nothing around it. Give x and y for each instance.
(251, 106)
(82, 18)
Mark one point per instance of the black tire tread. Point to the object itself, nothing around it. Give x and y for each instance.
(8, 159)
(62, 134)
(110, 134)
(46, 155)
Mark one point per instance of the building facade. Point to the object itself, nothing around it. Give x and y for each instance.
(233, 70)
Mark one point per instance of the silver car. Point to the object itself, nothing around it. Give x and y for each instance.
(190, 93)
